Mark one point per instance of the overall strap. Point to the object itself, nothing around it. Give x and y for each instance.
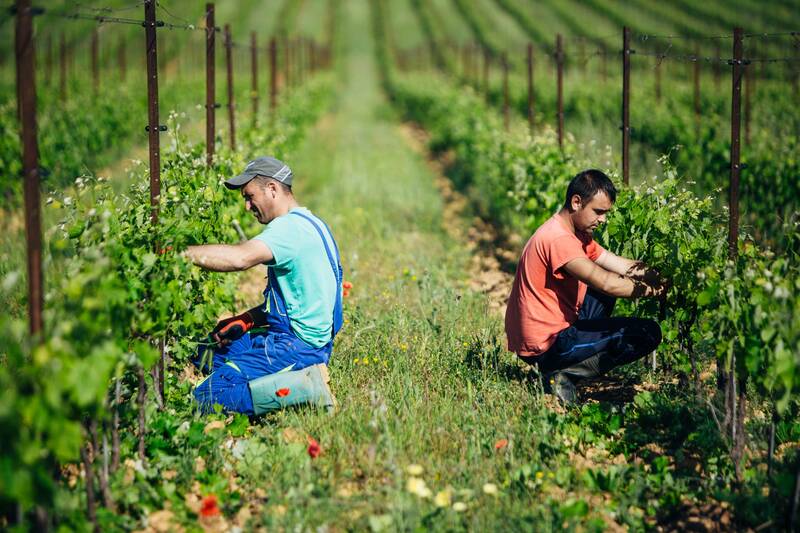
(336, 272)
(336, 266)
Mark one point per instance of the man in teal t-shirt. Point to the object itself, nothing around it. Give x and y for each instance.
(276, 353)
(303, 273)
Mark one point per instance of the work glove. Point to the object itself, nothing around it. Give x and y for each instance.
(232, 328)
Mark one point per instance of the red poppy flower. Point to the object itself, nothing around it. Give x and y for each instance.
(313, 448)
(280, 393)
(345, 293)
(208, 507)
(347, 285)
(499, 445)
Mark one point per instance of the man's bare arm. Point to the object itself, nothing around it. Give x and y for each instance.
(629, 268)
(230, 257)
(609, 282)
(618, 264)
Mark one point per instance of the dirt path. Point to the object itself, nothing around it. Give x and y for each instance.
(482, 240)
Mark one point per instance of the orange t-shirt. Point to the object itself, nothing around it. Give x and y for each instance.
(545, 300)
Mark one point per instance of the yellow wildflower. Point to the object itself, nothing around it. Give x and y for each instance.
(443, 498)
(459, 507)
(417, 486)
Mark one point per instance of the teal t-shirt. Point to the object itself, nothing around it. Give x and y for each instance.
(304, 274)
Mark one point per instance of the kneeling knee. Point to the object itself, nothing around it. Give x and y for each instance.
(652, 332)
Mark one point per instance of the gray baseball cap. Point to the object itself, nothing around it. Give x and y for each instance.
(269, 167)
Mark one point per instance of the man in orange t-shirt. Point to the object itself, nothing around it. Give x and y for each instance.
(559, 311)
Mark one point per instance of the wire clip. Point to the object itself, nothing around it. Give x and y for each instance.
(162, 127)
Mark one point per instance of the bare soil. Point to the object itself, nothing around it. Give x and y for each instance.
(490, 248)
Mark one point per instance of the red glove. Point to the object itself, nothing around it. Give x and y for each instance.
(232, 328)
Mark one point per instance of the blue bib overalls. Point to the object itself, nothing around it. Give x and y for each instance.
(257, 354)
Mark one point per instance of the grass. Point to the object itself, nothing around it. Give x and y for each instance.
(438, 426)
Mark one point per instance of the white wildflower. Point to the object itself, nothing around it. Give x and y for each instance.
(490, 488)
(11, 279)
(414, 470)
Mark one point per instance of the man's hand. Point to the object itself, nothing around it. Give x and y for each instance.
(646, 281)
(232, 328)
(608, 282)
(657, 287)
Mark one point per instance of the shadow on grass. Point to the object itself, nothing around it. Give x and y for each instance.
(608, 389)
(486, 354)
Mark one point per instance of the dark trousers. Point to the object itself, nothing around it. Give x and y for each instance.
(596, 342)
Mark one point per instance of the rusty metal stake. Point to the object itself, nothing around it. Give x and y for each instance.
(254, 73)
(273, 76)
(604, 65)
(154, 129)
(307, 59)
(49, 62)
(794, 508)
(115, 441)
(487, 59)
(749, 88)
(287, 70)
(95, 60)
(62, 67)
(26, 78)
(771, 443)
(122, 59)
(736, 123)
(464, 63)
(298, 60)
(560, 89)
(530, 87)
(626, 96)
(795, 69)
(211, 97)
(696, 80)
(472, 65)
(152, 107)
(658, 81)
(229, 67)
(88, 471)
(140, 399)
(506, 107)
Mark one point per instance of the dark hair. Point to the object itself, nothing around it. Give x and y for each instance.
(263, 180)
(588, 183)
